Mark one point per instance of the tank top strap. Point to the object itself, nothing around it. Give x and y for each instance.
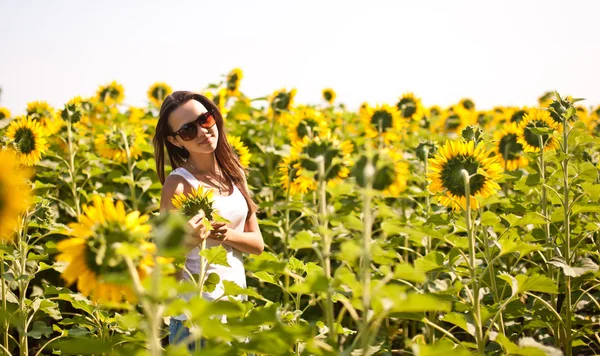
(193, 181)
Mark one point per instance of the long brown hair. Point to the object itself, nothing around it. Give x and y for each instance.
(227, 160)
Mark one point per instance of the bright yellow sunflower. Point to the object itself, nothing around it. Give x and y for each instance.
(291, 178)
(240, 150)
(220, 100)
(281, 103)
(446, 178)
(90, 254)
(328, 95)
(410, 108)
(529, 140)
(306, 121)
(14, 193)
(110, 143)
(4, 113)
(233, 81)
(336, 153)
(384, 119)
(28, 140)
(48, 117)
(199, 199)
(510, 152)
(111, 94)
(453, 120)
(400, 172)
(158, 92)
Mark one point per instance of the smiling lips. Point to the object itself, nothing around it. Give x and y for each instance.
(207, 140)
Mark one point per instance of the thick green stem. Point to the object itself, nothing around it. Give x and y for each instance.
(366, 255)
(72, 168)
(474, 281)
(490, 261)
(326, 249)
(567, 243)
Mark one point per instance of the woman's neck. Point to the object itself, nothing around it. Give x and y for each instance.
(204, 163)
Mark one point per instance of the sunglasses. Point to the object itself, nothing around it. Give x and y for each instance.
(189, 131)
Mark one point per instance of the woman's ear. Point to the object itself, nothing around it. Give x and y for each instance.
(173, 141)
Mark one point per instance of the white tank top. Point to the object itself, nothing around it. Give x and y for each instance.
(233, 208)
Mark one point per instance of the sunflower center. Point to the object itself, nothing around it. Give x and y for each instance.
(281, 101)
(100, 256)
(533, 139)
(325, 149)
(468, 104)
(407, 107)
(452, 178)
(382, 120)
(159, 93)
(452, 122)
(306, 127)
(510, 148)
(518, 116)
(328, 95)
(25, 140)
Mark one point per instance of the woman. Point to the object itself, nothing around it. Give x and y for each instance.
(190, 126)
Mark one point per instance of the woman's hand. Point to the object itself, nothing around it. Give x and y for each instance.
(219, 231)
(198, 231)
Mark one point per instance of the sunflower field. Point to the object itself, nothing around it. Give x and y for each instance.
(396, 229)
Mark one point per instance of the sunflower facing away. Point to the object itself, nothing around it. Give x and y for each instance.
(453, 120)
(446, 178)
(280, 103)
(384, 119)
(14, 193)
(306, 122)
(158, 92)
(110, 143)
(303, 165)
(529, 140)
(399, 171)
(509, 151)
(90, 252)
(111, 94)
(28, 140)
(233, 81)
(328, 95)
(240, 150)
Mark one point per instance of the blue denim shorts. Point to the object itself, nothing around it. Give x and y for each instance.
(178, 333)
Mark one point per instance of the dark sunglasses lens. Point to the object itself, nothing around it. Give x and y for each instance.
(207, 120)
(188, 132)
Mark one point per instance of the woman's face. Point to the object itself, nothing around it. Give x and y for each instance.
(205, 140)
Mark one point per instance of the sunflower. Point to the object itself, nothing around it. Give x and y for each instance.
(306, 121)
(529, 140)
(384, 119)
(158, 92)
(4, 113)
(410, 108)
(14, 192)
(281, 103)
(291, 178)
(91, 256)
(29, 142)
(240, 150)
(220, 99)
(199, 199)
(452, 120)
(509, 151)
(233, 81)
(335, 152)
(328, 95)
(110, 144)
(46, 115)
(446, 178)
(467, 104)
(398, 174)
(110, 94)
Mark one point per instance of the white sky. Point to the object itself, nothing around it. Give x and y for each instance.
(496, 52)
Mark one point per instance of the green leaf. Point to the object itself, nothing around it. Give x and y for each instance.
(440, 348)
(216, 255)
(39, 329)
(211, 281)
(394, 298)
(459, 320)
(489, 218)
(407, 272)
(265, 277)
(585, 265)
(510, 245)
(303, 239)
(231, 288)
(432, 261)
(535, 283)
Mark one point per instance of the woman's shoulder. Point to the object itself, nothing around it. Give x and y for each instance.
(175, 183)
